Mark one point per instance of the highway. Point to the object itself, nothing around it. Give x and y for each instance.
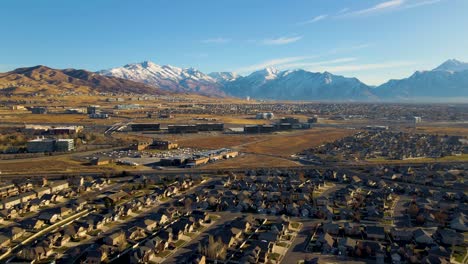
(201, 170)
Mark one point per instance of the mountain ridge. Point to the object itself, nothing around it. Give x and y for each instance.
(449, 79)
(40, 78)
(167, 77)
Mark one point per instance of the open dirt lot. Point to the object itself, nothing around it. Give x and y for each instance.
(281, 144)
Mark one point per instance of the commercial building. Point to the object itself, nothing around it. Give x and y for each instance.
(41, 145)
(38, 110)
(146, 127)
(163, 145)
(290, 120)
(417, 119)
(259, 129)
(99, 116)
(210, 126)
(140, 146)
(267, 116)
(128, 106)
(64, 145)
(75, 111)
(50, 145)
(313, 120)
(65, 130)
(199, 127)
(18, 107)
(176, 129)
(93, 109)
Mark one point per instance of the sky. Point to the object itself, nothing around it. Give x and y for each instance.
(373, 40)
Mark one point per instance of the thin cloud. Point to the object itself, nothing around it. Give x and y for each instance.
(216, 40)
(344, 10)
(318, 63)
(421, 3)
(392, 4)
(314, 20)
(272, 63)
(361, 67)
(281, 40)
(389, 5)
(302, 61)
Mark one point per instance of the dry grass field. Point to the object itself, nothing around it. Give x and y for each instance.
(50, 164)
(287, 143)
(452, 131)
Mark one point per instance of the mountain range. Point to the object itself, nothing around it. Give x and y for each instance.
(42, 79)
(168, 78)
(449, 80)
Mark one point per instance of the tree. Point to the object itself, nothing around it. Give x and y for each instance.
(188, 205)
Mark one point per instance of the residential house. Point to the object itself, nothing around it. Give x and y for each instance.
(34, 253)
(325, 242)
(58, 186)
(142, 254)
(32, 224)
(49, 217)
(450, 237)
(135, 233)
(375, 232)
(115, 239)
(422, 237)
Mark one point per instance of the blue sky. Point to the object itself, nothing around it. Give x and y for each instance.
(374, 40)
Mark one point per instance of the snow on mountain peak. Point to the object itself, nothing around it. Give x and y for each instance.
(452, 65)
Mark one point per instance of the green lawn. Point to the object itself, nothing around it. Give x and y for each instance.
(459, 253)
(295, 225)
(180, 243)
(274, 256)
(282, 244)
(163, 254)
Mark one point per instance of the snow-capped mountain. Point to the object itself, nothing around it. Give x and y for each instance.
(223, 77)
(450, 79)
(452, 65)
(270, 83)
(167, 77)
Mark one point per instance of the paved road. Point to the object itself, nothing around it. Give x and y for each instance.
(297, 250)
(400, 217)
